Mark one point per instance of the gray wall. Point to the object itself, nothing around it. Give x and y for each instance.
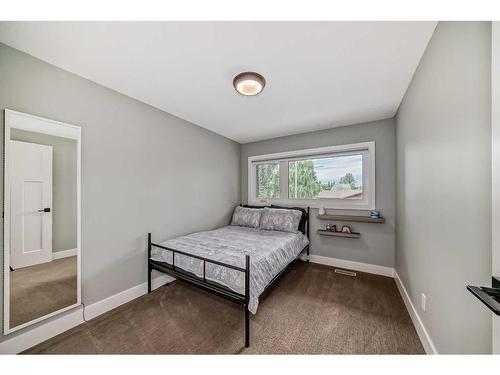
(64, 190)
(376, 245)
(444, 186)
(142, 169)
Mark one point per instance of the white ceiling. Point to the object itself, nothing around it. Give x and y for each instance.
(319, 74)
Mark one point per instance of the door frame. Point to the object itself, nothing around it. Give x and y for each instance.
(495, 169)
(24, 121)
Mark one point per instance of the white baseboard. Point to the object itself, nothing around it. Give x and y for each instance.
(42, 332)
(58, 325)
(417, 322)
(355, 266)
(99, 308)
(64, 254)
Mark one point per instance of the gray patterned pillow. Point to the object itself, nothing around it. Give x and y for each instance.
(279, 219)
(246, 217)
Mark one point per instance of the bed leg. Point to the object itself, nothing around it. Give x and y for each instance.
(247, 301)
(307, 253)
(149, 278)
(247, 327)
(149, 266)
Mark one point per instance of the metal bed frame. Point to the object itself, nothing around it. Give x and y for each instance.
(213, 287)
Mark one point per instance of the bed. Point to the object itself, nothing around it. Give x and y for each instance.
(238, 263)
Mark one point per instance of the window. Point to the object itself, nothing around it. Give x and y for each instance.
(268, 180)
(339, 177)
(334, 177)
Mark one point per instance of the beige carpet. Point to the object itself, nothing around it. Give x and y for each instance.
(313, 310)
(38, 290)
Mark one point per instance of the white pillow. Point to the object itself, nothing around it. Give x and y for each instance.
(280, 219)
(246, 217)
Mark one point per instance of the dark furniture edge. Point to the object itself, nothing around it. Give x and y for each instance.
(495, 282)
(324, 232)
(485, 298)
(360, 219)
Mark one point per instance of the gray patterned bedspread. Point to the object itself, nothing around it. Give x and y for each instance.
(270, 252)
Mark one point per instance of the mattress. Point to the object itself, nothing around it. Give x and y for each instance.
(270, 252)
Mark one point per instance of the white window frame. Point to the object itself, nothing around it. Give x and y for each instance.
(368, 203)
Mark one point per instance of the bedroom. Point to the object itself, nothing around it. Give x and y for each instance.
(214, 187)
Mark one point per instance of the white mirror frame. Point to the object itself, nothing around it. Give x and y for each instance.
(36, 124)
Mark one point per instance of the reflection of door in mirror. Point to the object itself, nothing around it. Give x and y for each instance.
(42, 236)
(30, 202)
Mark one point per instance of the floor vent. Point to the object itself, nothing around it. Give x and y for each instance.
(345, 272)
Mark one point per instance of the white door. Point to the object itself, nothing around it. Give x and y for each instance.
(31, 204)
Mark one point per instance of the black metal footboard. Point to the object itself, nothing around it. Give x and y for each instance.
(202, 282)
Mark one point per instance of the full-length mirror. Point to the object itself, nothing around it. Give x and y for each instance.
(42, 219)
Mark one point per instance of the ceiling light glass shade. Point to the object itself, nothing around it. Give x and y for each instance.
(249, 83)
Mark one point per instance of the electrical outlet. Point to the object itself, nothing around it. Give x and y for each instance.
(423, 301)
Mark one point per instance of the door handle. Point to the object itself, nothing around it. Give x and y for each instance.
(47, 209)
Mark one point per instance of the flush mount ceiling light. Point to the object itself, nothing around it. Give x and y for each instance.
(249, 83)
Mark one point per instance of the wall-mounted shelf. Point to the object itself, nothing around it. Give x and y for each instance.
(361, 219)
(338, 234)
